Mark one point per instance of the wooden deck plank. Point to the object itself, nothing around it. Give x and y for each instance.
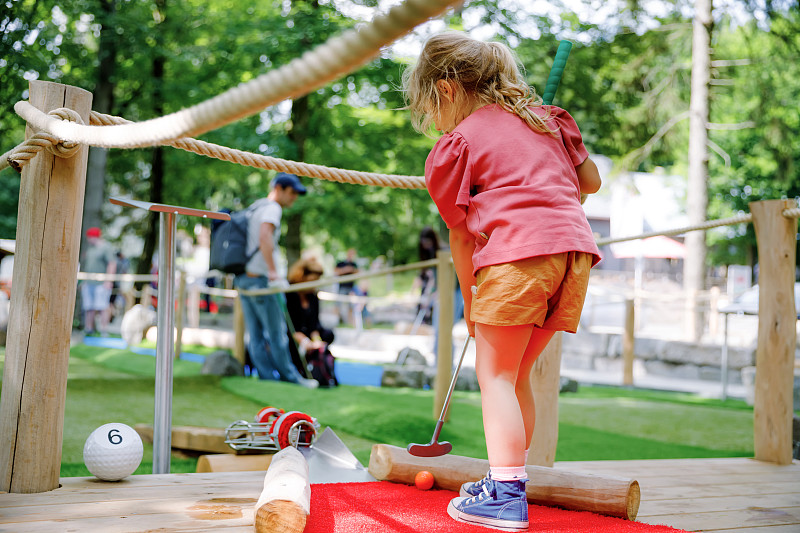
(682, 492)
(136, 504)
(711, 479)
(733, 495)
(722, 503)
(671, 467)
(126, 490)
(736, 520)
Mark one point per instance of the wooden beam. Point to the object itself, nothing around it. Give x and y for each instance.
(42, 305)
(777, 334)
(226, 462)
(607, 495)
(191, 438)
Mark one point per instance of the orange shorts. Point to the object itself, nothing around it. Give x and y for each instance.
(547, 291)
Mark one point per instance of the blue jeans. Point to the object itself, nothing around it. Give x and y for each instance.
(269, 342)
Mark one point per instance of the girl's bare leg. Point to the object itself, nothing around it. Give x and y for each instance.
(536, 345)
(501, 351)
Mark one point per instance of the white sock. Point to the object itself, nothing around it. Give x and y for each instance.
(526, 455)
(507, 473)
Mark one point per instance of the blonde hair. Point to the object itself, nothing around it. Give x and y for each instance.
(488, 71)
(303, 267)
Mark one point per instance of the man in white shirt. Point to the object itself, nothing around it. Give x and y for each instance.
(269, 342)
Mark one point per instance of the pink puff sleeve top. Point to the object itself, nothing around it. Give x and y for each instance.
(516, 189)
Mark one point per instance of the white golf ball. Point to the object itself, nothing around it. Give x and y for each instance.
(113, 451)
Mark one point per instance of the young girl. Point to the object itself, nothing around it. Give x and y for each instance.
(508, 177)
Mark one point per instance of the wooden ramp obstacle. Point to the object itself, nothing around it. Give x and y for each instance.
(226, 462)
(606, 495)
(190, 439)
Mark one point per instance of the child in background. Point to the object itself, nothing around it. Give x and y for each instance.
(508, 177)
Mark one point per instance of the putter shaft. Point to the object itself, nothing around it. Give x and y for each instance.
(435, 448)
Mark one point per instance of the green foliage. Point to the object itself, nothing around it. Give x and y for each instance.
(626, 83)
(761, 159)
(9, 198)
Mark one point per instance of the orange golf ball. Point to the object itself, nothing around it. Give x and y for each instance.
(423, 480)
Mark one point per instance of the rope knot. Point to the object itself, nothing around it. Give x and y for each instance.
(65, 149)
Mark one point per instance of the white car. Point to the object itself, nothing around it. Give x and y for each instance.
(747, 302)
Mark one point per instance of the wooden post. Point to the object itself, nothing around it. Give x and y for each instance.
(180, 314)
(42, 305)
(238, 330)
(777, 336)
(445, 286)
(193, 306)
(713, 314)
(627, 343)
(546, 383)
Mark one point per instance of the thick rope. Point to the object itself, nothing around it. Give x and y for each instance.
(312, 70)
(792, 212)
(273, 163)
(738, 219)
(22, 154)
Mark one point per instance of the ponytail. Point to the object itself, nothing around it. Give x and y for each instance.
(490, 72)
(509, 90)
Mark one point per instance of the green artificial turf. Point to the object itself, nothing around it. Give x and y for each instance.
(130, 362)
(596, 423)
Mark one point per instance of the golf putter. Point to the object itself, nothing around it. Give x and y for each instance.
(435, 448)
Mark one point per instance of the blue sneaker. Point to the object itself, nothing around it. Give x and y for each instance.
(500, 505)
(474, 488)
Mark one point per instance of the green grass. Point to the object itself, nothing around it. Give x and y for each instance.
(596, 423)
(129, 362)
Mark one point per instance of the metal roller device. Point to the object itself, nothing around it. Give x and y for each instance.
(272, 430)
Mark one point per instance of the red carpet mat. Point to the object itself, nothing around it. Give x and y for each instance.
(385, 507)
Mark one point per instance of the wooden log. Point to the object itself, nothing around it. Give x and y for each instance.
(225, 462)
(191, 438)
(285, 502)
(777, 335)
(606, 495)
(42, 305)
(546, 383)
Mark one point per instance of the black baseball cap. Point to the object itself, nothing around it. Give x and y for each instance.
(288, 180)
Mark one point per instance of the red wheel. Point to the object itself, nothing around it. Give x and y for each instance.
(267, 414)
(293, 429)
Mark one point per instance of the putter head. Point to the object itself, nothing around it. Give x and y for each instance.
(432, 449)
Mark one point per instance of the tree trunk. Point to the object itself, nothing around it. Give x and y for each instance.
(694, 264)
(157, 168)
(301, 115)
(103, 103)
